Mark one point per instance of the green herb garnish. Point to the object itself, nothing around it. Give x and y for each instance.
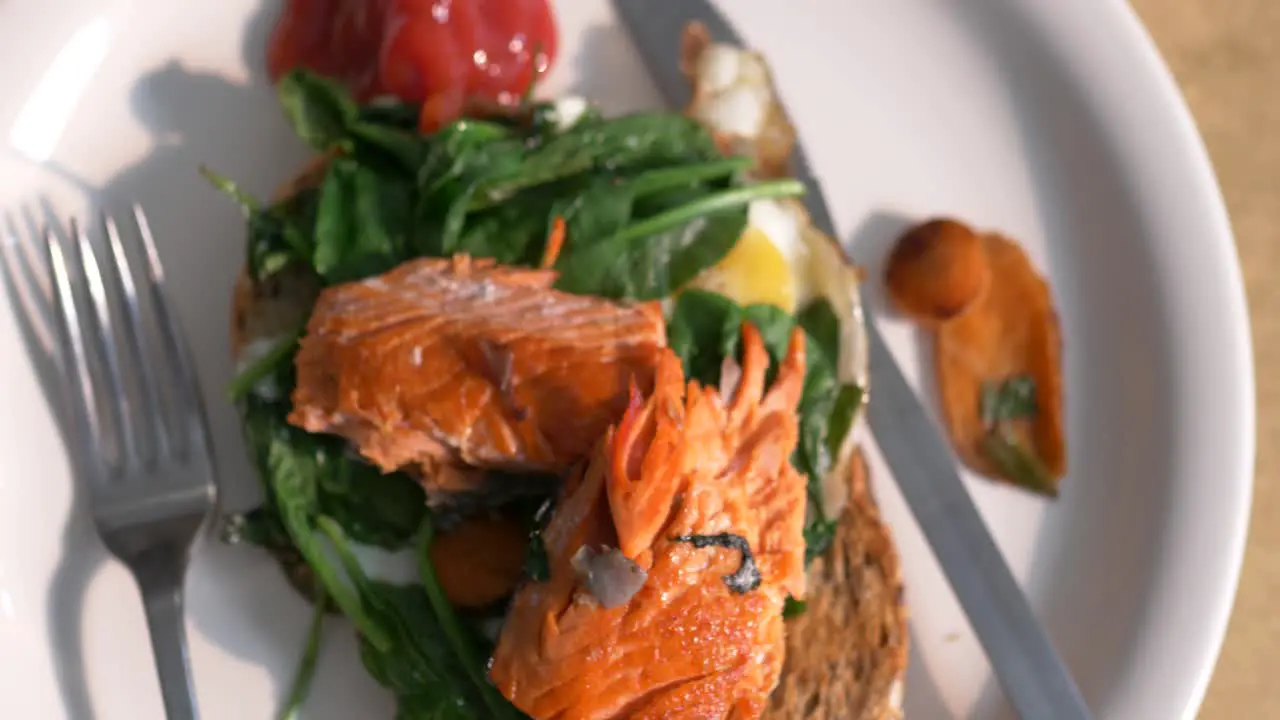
(1013, 399)
(1001, 404)
(301, 686)
(537, 566)
(793, 608)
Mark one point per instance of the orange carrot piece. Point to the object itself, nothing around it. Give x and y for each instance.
(480, 561)
(555, 241)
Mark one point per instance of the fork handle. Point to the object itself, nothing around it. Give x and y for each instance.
(166, 622)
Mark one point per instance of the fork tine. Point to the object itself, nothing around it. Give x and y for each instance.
(19, 274)
(127, 292)
(31, 251)
(104, 334)
(175, 348)
(77, 384)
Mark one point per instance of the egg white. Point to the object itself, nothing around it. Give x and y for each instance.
(784, 227)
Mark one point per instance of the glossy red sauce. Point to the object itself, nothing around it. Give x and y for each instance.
(442, 53)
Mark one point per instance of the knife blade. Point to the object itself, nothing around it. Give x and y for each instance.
(1028, 668)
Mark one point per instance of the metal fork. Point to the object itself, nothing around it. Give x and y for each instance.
(140, 430)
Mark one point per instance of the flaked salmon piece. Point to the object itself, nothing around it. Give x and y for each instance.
(442, 366)
(694, 487)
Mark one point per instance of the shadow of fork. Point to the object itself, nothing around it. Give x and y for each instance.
(23, 265)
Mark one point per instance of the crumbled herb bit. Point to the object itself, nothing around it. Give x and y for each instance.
(792, 608)
(818, 536)
(1012, 399)
(536, 564)
(741, 581)
(1000, 404)
(1017, 463)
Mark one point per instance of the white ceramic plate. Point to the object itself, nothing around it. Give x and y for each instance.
(1053, 122)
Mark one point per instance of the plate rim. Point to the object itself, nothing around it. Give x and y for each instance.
(1165, 102)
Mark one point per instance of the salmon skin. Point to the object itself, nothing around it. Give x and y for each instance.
(443, 366)
(695, 487)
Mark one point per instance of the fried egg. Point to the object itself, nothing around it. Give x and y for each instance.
(768, 264)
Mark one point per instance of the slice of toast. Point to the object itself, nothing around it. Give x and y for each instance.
(846, 654)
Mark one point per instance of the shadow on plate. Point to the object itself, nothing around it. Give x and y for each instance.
(923, 699)
(24, 267)
(869, 247)
(1101, 283)
(194, 118)
(608, 70)
(237, 598)
(1111, 513)
(1105, 289)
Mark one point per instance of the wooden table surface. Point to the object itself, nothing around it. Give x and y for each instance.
(1226, 56)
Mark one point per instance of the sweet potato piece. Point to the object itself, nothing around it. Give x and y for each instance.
(937, 271)
(480, 561)
(1011, 333)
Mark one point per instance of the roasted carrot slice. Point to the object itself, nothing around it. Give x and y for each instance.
(480, 561)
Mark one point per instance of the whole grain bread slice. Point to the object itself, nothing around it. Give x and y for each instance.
(847, 654)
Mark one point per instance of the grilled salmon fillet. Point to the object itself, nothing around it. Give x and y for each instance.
(671, 553)
(442, 365)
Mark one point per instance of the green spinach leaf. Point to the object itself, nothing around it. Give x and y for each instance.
(703, 330)
(301, 686)
(291, 475)
(248, 203)
(431, 662)
(272, 243)
(416, 660)
(372, 508)
(819, 532)
(319, 110)
(792, 608)
(616, 147)
(819, 320)
(362, 222)
(326, 117)
(265, 368)
(433, 704)
(1018, 463)
(650, 257)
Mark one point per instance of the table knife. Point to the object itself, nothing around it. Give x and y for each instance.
(1029, 670)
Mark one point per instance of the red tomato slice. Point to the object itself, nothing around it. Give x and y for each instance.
(441, 53)
(335, 38)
